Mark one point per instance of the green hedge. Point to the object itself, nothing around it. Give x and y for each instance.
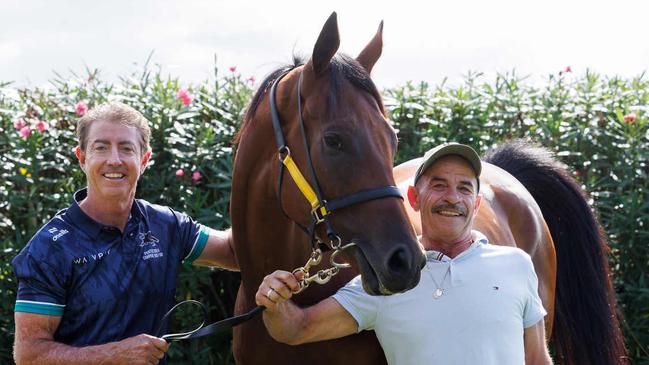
(597, 125)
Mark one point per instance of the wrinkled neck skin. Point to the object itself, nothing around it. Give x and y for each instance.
(449, 248)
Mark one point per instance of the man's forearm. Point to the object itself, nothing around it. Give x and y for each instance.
(140, 349)
(49, 352)
(286, 323)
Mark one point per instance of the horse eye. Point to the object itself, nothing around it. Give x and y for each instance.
(333, 141)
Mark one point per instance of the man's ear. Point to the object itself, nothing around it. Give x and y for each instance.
(412, 198)
(80, 156)
(144, 161)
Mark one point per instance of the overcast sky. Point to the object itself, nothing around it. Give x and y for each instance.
(423, 40)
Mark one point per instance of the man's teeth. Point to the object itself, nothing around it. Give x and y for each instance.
(449, 213)
(114, 176)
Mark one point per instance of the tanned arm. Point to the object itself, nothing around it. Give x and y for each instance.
(288, 323)
(35, 345)
(536, 349)
(218, 251)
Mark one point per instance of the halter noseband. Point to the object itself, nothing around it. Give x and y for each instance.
(321, 209)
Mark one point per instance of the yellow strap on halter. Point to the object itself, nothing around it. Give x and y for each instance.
(303, 185)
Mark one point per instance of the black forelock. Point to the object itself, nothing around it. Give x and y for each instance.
(345, 67)
(342, 67)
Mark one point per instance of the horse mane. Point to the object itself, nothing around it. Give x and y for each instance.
(342, 68)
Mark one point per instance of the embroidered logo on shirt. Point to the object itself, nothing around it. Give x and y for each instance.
(152, 251)
(147, 239)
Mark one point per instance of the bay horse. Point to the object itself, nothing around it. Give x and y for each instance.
(328, 117)
(531, 201)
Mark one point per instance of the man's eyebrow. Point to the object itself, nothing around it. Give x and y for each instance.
(441, 179)
(467, 182)
(104, 141)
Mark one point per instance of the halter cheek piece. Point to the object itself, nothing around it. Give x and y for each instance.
(321, 209)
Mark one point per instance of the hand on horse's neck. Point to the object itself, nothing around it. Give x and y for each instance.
(449, 248)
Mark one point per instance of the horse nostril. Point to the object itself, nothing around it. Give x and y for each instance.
(399, 261)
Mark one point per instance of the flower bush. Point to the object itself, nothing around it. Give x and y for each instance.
(597, 125)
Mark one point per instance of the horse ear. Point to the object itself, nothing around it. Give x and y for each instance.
(368, 57)
(326, 45)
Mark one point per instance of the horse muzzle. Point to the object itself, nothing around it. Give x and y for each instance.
(396, 272)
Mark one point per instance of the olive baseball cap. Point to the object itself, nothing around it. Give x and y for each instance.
(450, 148)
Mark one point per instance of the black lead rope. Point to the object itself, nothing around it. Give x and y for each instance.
(202, 330)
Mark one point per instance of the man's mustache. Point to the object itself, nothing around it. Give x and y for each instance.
(454, 207)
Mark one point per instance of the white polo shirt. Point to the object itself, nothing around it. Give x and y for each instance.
(490, 297)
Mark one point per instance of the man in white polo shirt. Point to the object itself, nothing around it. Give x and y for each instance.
(476, 303)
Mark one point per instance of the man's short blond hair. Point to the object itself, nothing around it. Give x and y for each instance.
(115, 112)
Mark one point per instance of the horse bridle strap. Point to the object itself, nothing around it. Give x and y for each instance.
(321, 209)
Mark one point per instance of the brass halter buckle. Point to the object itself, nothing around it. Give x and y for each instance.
(322, 276)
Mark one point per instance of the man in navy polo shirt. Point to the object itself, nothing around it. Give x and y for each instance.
(95, 281)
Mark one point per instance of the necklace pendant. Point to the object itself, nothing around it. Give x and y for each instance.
(438, 293)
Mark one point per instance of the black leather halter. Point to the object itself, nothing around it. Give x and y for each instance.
(321, 208)
(321, 212)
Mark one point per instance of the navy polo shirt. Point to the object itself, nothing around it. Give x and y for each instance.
(105, 285)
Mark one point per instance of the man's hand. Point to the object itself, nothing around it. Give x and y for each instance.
(288, 323)
(141, 349)
(276, 289)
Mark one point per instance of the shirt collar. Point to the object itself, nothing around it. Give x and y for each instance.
(89, 225)
(478, 239)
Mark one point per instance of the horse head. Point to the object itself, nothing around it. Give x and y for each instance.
(334, 120)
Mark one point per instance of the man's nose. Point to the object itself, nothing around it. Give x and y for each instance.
(114, 157)
(452, 196)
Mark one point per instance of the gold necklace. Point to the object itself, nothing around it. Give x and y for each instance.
(440, 290)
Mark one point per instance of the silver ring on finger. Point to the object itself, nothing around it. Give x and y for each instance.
(269, 292)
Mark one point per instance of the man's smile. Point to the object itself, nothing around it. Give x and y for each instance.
(114, 175)
(448, 213)
(447, 210)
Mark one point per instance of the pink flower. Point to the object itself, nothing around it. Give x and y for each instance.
(180, 173)
(81, 108)
(568, 69)
(19, 123)
(630, 118)
(184, 95)
(252, 78)
(25, 132)
(233, 68)
(196, 176)
(41, 126)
